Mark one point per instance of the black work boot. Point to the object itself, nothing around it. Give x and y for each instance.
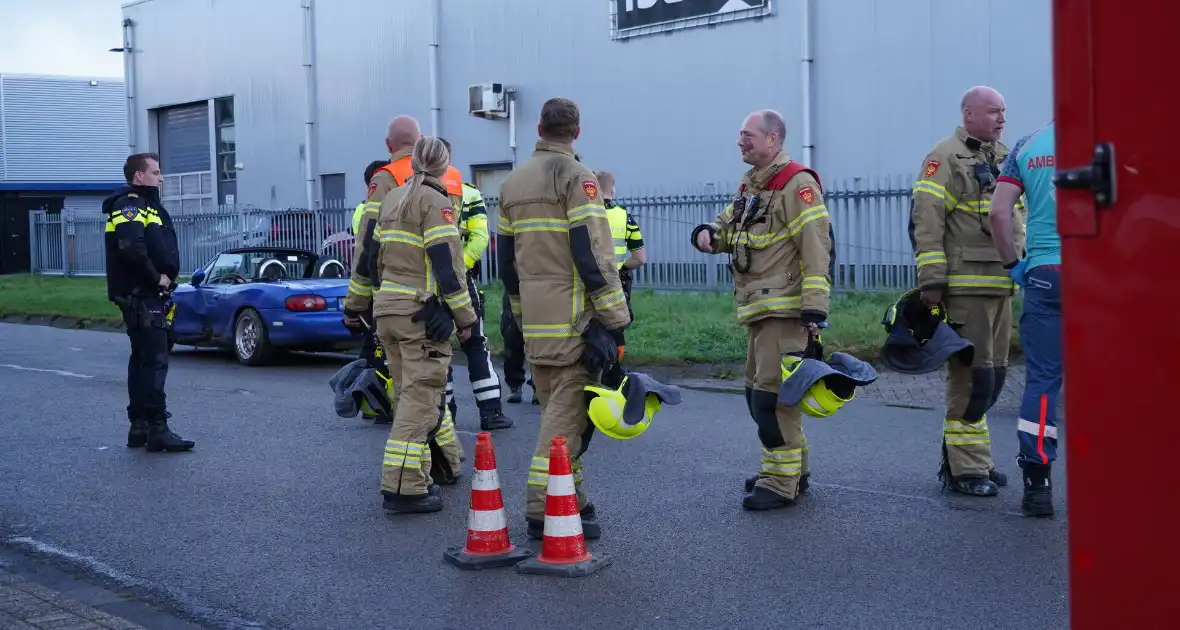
(161, 438)
(514, 394)
(489, 420)
(138, 433)
(413, 503)
(765, 499)
(803, 483)
(591, 530)
(1038, 491)
(997, 477)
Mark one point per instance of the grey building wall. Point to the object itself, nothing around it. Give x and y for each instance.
(61, 131)
(662, 111)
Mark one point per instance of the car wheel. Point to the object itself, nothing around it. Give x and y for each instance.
(251, 343)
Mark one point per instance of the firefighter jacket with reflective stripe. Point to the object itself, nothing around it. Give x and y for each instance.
(780, 242)
(949, 227)
(139, 240)
(418, 254)
(555, 255)
(364, 278)
(473, 225)
(624, 232)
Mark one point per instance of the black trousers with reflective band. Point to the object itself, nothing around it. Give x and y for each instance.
(147, 367)
(485, 383)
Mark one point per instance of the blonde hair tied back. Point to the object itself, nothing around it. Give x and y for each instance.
(430, 157)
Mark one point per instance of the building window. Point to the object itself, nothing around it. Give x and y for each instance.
(185, 158)
(227, 175)
(333, 191)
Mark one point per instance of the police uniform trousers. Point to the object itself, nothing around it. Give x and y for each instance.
(626, 280)
(561, 390)
(445, 447)
(421, 382)
(147, 367)
(485, 383)
(514, 357)
(780, 428)
(986, 321)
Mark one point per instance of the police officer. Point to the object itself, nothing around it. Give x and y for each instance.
(776, 232)
(1029, 170)
(554, 243)
(625, 236)
(142, 263)
(485, 383)
(957, 261)
(371, 350)
(402, 135)
(416, 224)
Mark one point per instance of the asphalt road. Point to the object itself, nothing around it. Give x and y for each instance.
(275, 518)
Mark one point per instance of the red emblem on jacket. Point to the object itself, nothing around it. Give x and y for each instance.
(932, 167)
(591, 189)
(807, 195)
(448, 216)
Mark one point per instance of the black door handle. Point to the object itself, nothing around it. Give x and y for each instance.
(1099, 177)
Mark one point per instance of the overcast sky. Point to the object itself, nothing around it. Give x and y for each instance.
(67, 37)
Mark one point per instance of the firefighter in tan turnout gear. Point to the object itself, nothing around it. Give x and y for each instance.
(401, 136)
(415, 252)
(777, 234)
(557, 261)
(958, 266)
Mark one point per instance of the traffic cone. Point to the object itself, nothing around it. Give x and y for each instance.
(487, 528)
(563, 549)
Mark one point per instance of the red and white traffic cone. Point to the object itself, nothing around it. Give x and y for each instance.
(487, 527)
(563, 548)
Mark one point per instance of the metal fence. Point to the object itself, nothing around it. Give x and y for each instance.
(873, 251)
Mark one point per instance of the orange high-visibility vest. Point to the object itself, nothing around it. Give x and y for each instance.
(402, 171)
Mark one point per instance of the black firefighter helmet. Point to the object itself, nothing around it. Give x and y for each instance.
(921, 338)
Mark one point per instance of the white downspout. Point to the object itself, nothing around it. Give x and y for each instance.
(309, 148)
(129, 83)
(512, 123)
(435, 27)
(805, 87)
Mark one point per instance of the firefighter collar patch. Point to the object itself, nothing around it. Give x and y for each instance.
(130, 212)
(932, 167)
(591, 189)
(806, 194)
(448, 215)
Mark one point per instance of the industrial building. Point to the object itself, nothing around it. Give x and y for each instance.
(63, 141)
(270, 103)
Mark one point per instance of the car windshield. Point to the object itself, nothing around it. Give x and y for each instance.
(259, 264)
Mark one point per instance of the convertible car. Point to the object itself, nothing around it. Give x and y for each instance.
(261, 301)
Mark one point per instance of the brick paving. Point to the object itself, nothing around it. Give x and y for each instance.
(25, 605)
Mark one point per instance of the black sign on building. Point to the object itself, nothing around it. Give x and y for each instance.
(639, 13)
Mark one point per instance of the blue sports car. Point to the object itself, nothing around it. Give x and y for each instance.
(261, 301)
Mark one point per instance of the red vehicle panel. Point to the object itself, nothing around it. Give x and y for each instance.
(1114, 66)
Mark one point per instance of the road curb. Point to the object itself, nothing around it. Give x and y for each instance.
(59, 321)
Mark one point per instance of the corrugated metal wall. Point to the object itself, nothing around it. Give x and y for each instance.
(661, 111)
(62, 129)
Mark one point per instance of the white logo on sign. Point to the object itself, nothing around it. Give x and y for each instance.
(646, 4)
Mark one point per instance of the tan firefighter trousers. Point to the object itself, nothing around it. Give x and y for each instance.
(785, 459)
(561, 391)
(987, 323)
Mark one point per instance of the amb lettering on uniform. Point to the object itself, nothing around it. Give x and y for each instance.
(1041, 161)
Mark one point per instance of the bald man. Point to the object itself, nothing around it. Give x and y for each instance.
(401, 136)
(779, 239)
(959, 267)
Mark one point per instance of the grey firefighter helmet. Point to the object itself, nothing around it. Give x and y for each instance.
(356, 382)
(920, 338)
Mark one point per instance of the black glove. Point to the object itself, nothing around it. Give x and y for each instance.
(601, 349)
(812, 317)
(437, 319)
(617, 336)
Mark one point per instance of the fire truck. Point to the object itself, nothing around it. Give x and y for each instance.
(1118, 213)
